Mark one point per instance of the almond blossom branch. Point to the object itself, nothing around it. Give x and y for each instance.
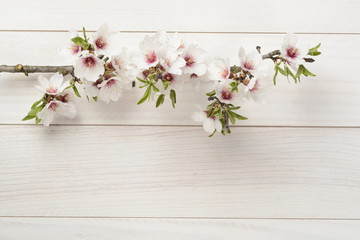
(161, 66)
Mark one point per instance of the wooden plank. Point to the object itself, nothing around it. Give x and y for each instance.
(129, 171)
(184, 229)
(330, 99)
(187, 15)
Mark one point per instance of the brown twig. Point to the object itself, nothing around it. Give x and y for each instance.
(37, 69)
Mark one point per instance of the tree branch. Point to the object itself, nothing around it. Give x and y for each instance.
(37, 69)
(271, 54)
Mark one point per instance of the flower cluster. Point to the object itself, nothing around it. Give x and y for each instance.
(57, 99)
(165, 63)
(162, 65)
(249, 79)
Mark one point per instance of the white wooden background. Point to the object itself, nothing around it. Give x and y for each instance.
(121, 171)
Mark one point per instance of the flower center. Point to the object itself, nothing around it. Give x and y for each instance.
(74, 49)
(89, 61)
(226, 94)
(111, 83)
(207, 114)
(150, 57)
(53, 106)
(256, 86)
(51, 90)
(224, 73)
(189, 61)
(292, 52)
(100, 43)
(249, 65)
(168, 77)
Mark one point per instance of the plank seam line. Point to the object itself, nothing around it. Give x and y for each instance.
(190, 32)
(180, 125)
(188, 218)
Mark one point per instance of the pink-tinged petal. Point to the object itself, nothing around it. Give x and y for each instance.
(56, 80)
(218, 125)
(199, 116)
(242, 54)
(175, 66)
(209, 125)
(219, 69)
(66, 109)
(65, 85)
(290, 39)
(150, 57)
(198, 69)
(89, 67)
(110, 90)
(101, 40)
(44, 83)
(47, 114)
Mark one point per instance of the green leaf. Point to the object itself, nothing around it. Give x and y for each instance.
(81, 42)
(289, 72)
(234, 108)
(37, 120)
(212, 133)
(146, 95)
(33, 112)
(237, 116)
(141, 80)
(302, 70)
(220, 113)
(283, 72)
(276, 67)
(299, 72)
(74, 88)
(314, 51)
(166, 84)
(95, 98)
(155, 88)
(231, 117)
(210, 94)
(84, 33)
(36, 103)
(307, 72)
(28, 117)
(160, 100)
(173, 97)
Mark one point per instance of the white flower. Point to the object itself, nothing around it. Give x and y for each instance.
(91, 89)
(111, 89)
(219, 69)
(291, 52)
(158, 50)
(194, 58)
(123, 65)
(71, 50)
(102, 40)
(251, 62)
(54, 107)
(54, 85)
(148, 56)
(224, 93)
(171, 61)
(258, 89)
(88, 66)
(175, 41)
(210, 124)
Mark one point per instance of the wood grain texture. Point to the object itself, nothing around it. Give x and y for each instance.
(332, 98)
(179, 172)
(176, 229)
(186, 15)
